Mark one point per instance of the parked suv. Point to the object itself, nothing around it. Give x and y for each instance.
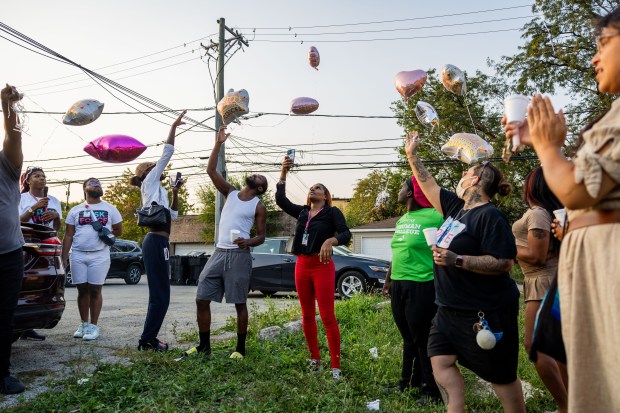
(273, 269)
(125, 262)
(41, 299)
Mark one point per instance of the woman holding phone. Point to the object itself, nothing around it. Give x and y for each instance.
(320, 227)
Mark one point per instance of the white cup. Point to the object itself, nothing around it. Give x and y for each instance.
(431, 236)
(515, 108)
(560, 215)
(234, 234)
(374, 353)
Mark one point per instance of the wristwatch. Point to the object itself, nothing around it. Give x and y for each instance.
(459, 261)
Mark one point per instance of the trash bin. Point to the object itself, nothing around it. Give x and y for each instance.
(184, 269)
(196, 264)
(178, 270)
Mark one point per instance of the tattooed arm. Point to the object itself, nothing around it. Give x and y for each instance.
(424, 178)
(537, 246)
(482, 264)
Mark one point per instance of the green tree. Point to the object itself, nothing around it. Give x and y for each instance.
(206, 209)
(126, 198)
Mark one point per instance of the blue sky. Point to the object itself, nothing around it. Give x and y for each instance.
(353, 78)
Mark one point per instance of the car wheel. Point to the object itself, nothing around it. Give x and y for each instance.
(134, 273)
(68, 277)
(350, 283)
(268, 293)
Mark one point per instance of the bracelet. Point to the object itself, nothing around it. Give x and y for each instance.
(281, 182)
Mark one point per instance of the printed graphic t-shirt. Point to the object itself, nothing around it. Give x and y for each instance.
(28, 200)
(86, 238)
(412, 258)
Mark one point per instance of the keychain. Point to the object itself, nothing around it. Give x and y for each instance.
(485, 337)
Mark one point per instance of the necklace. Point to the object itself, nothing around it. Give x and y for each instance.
(459, 216)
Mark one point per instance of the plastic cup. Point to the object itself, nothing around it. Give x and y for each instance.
(515, 108)
(234, 234)
(560, 215)
(431, 236)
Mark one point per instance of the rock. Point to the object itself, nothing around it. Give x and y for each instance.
(269, 333)
(292, 327)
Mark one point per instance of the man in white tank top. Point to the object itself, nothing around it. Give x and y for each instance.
(229, 269)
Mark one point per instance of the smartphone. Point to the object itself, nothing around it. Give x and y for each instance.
(176, 180)
(45, 189)
(291, 154)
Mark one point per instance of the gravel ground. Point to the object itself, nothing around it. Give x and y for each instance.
(37, 363)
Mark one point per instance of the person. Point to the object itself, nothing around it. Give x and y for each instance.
(37, 207)
(229, 269)
(410, 285)
(90, 256)
(12, 240)
(588, 185)
(537, 254)
(474, 253)
(156, 244)
(320, 226)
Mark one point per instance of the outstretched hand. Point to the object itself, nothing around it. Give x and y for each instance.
(222, 135)
(287, 164)
(522, 128)
(179, 120)
(548, 129)
(412, 143)
(9, 94)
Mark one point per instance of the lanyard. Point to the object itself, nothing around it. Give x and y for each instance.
(309, 218)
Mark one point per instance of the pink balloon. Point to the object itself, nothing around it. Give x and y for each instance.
(313, 57)
(303, 105)
(409, 83)
(115, 148)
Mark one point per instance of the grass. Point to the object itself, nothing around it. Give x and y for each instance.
(272, 378)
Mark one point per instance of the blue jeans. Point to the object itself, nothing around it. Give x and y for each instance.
(155, 250)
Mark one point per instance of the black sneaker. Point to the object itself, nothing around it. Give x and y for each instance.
(33, 335)
(11, 385)
(152, 345)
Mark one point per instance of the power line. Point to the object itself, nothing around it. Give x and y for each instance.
(388, 21)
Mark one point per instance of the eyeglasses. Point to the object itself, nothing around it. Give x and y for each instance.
(603, 39)
(484, 165)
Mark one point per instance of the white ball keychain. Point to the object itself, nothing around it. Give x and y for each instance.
(485, 338)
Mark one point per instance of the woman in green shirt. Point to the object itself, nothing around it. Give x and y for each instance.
(410, 284)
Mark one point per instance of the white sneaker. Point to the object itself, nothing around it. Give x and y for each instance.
(336, 374)
(92, 333)
(79, 333)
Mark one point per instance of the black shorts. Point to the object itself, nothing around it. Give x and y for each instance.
(452, 333)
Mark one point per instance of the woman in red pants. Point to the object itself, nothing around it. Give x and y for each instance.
(319, 227)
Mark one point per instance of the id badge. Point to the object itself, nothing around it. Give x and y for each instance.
(304, 239)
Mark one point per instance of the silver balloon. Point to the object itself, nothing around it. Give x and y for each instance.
(426, 114)
(453, 80)
(83, 112)
(382, 198)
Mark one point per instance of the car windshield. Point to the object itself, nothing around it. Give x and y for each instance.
(342, 250)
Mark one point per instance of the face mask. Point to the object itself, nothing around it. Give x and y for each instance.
(460, 191)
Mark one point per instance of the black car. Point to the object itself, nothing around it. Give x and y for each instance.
(41, 299)
(273, 269)
(125, 262)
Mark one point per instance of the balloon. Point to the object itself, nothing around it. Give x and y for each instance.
(426, 114)
(382, 198)
(303, 106)
(453, 80)
(233, 105)
(115, 148)
(83, 112)
(467, 148)
(409, 83)
(313, 57)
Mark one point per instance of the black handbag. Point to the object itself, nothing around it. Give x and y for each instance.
(152, 215)
(104, 234)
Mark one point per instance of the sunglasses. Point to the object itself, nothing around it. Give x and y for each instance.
(94, 183)
(484, 166)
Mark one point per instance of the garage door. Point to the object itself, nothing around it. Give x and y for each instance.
(379, 247)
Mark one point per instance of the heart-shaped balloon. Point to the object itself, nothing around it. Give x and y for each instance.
(426, 114)
(83, 112)
(233, 105)
(314, 58)
(467, 148)
(115, 148)
(409, 83)
(303, 105)
(453, 80)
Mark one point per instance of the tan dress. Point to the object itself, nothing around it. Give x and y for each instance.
(589, 279)
(538, 278)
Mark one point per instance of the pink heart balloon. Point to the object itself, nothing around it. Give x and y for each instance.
(409, 83)
(115, 148)
(303, 105)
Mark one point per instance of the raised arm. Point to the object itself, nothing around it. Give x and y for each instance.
(425, 180)
(12, 145)
(173, 128)
(218, 180)
(281, 200)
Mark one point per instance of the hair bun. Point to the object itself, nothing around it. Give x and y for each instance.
(504, 188)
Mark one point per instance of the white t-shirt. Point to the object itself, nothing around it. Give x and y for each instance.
(86, 238)
(152, 190)
(28, 200)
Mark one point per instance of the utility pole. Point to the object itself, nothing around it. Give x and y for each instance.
(223, 46)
